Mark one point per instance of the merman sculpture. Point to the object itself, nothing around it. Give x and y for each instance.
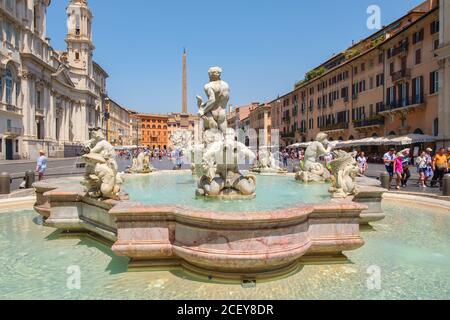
(141, 164)
(345, 170)
(101, 179)
(313, 170)
(266, 163)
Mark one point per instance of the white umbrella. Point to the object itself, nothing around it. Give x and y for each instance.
(411, 139)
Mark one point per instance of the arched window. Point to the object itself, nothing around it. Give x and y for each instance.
(374, 135)
(418, 131)
(351, 138)
(154, 127)
(8, 86)
(392, 133)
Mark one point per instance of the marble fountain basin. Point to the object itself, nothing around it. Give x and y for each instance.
(165, 225)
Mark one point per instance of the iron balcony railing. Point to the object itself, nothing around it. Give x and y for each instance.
(335, 126)
(13, 131)
(402, 74)
(368, 123)
(406, 102)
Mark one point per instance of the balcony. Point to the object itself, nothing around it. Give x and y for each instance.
(401, 75)
(407, 104)
(369, 123)
(10, 108)
(335, 127)
(288, 135)
(286, 120)
(13, 132)
(403, 48)
(39, 112)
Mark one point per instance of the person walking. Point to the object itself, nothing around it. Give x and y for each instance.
(406, 162)
(440, 167)
(422, 166)
(389, 160)
(398, 170)
(362, 163)
(41, 165)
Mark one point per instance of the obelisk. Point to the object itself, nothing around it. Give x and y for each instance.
(184, 106)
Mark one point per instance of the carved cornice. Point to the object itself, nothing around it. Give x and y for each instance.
(26, 75)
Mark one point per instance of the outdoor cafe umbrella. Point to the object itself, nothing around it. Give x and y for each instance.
(411, 139)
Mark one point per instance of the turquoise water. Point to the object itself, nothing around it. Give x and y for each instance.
(411, 248)
(273, 192)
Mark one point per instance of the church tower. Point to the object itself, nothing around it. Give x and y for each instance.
(80, 47)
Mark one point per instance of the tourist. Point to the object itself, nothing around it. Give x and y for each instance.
(41, 165)
(362, 163)
(389, 160)
(440, 167)
(398, 170)
(448, 159)
(285, 156)
(429, 172)
(406, 162)
(422, 165)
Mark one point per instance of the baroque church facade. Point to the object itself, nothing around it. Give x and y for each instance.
(49, 99)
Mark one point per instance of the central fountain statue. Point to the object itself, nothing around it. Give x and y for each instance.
(219, 169)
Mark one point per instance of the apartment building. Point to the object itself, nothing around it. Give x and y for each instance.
(154, 131)
(386, 84)
(117, 124)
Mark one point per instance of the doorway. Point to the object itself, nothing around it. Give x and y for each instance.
(9, 149)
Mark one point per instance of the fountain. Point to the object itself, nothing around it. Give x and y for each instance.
(141, 164)
(266, 163)
(225, 231)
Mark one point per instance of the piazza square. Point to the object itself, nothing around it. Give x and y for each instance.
(154, 157)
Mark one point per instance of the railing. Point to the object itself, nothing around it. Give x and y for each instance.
(402, 74)
(288, 135)
(13, 131)
(400, 49)
(335, 126)
(11, 108)
(406, 102)
(368, 123)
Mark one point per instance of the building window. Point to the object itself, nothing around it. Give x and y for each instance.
(434, 27)
(434, 82)
(77, 56)
(418, 56)
(17, 146)
(418, 36)
(8, 86)
(417, 88)
(392, 68)
(38, 99)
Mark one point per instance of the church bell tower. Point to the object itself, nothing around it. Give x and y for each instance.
(80, 47)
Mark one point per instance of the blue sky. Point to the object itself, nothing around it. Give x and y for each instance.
(264, 46)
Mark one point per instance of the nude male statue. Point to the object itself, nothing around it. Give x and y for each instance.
(213, 111)
(318, 148)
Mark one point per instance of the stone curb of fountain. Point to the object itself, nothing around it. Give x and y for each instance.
(420, 199)
(17, 203)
